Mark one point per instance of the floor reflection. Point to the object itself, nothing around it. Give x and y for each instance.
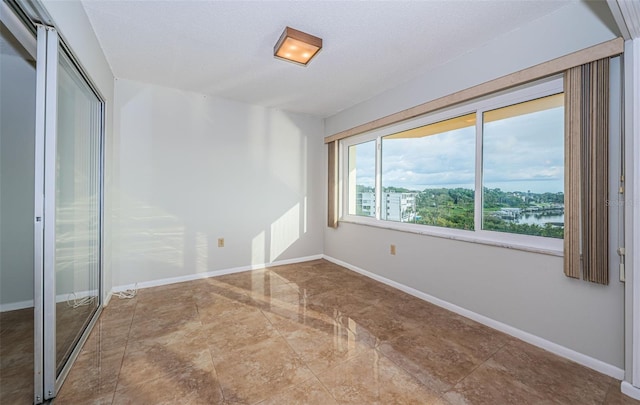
(312, 333)
(16, 356)
(17, 343)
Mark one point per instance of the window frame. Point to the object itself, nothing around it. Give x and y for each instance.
(347, 184)
(542, 88)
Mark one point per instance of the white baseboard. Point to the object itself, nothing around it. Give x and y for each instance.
(107, 299)
(198, 276)
(13, 306)
(555, 348)
(630, 390)
(75, 295)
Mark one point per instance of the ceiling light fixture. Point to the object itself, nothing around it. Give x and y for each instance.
(297, 46)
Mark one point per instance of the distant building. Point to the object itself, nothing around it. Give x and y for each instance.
(400, 207)
(366, 204)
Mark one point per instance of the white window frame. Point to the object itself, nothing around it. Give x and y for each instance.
(539, 244)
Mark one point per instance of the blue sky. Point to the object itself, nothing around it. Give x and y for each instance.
(520, 154)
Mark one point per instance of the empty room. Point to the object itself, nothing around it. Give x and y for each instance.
(319, 202)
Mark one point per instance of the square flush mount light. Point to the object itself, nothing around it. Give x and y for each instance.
(297, 46)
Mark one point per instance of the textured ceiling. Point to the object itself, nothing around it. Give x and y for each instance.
(225, 48)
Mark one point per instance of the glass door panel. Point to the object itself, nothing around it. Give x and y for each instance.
(77, 208)
(51, 129)
(17, 128)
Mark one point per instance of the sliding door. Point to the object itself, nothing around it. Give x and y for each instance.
(77, 208)
(17, 127)
(51, 136)
(69, 145)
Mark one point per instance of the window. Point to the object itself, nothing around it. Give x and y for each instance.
(428, 174)
(361, 181)
(491, 170)
(523, 168)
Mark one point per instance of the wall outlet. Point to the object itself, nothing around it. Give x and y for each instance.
(392, 249)
(220, 242)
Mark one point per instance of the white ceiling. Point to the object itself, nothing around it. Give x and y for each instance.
(225, 48)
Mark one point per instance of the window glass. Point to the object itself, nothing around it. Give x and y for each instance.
(523, 168)
(362, 179)
(428, 174)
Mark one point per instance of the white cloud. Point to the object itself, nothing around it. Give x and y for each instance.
(520, 153)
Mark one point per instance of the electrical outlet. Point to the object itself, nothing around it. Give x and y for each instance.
(220, 242)
(392, 249)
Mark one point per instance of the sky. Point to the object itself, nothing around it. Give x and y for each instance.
(522, 153)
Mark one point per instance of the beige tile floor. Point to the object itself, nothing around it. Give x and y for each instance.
(312, 333)
(16, 348)
(16, 356)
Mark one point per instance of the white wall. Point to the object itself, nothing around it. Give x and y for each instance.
(525, 290)
(569, 29)
(72, 23)
(190, 169)
(17, 135)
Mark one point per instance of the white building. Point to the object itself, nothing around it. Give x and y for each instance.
(399, 207)
(366, 204)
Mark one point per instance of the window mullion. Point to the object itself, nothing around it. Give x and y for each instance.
(478, 196)
(342, 190)
(378, 178)
(344, 170)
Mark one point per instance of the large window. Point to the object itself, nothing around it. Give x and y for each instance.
(523, 168)
(490, 170)
(428, 174)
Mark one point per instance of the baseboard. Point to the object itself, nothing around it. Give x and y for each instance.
(630, 390)
(75, 295)
(13, 306)
(198, 276)
(555, 348)
(107, 299)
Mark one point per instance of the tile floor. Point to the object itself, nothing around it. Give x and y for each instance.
(16, 356)
(312, 333)
(16, 348)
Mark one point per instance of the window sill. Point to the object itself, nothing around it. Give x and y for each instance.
(526, 243)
